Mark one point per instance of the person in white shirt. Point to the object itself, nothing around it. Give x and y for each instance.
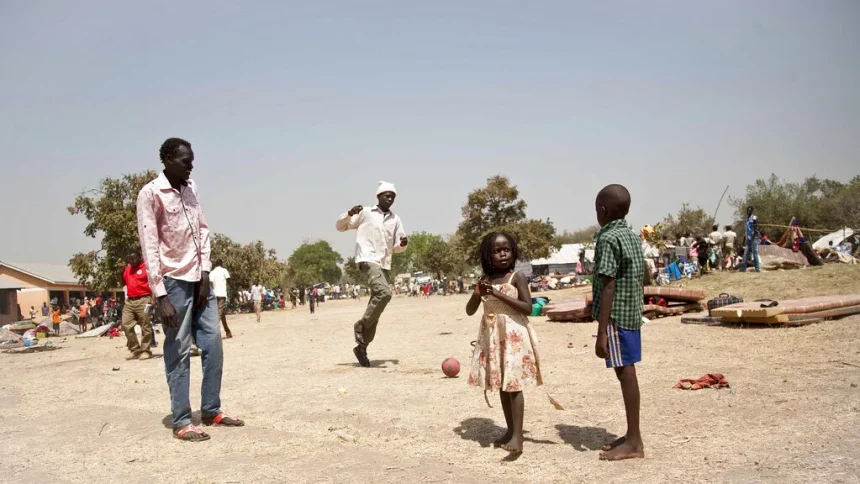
(218, 278)
(380, 234)
(728, 240)
(717, 243)
(257, 299)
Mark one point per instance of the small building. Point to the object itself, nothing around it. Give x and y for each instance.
(9, 311)
(42, 283)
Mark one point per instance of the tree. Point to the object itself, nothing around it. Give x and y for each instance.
(351, 273)
(441, 259)
(315, 262)
(112, 215)
(248, 264)
(581, 236)
(816, 203)
(688, 221)
(497, 206)
(407, 261)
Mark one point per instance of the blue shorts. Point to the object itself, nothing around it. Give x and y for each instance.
(625, 346)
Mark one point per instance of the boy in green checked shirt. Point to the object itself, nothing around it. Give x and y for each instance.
(619, 267)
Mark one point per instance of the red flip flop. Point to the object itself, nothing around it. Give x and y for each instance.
(224, 419)
(190, 433)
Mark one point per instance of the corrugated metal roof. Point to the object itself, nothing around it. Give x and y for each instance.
(6, 283)
(54, 273)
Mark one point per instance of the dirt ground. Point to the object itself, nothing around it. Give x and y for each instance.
(791, 415)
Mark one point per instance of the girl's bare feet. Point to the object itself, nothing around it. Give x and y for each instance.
(627, 450)
(515, 445)
(615, 443)
(504, 439)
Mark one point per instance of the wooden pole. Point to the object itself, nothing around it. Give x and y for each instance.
(714, 219)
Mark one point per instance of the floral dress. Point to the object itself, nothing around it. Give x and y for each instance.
(505, 356)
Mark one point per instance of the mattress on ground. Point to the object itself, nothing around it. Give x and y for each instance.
(772, 257)
(675, 293)
(567, 311)
(650, 310)
(788, 306)
(671, 294)
(95, 333)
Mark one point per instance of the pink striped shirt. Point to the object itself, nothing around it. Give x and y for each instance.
(174, 235)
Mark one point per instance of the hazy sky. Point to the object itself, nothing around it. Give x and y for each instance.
(296, 109)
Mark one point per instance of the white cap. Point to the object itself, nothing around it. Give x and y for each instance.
(385, 187)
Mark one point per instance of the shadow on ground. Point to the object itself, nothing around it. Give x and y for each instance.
(584, 438)
(31, 349)
(196, 419)
(484, 431)
(373, 363)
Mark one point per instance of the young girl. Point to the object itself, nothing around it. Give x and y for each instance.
(505, 357)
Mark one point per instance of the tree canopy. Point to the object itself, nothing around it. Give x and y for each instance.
(410, 260)
(248, 264)
(816, 203)
(111, 214)
(498, 206)
(442, 258)
(688, 221)
(314, 262)
(351, 273)
(581, 236)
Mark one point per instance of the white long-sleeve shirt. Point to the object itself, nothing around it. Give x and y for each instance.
(378, 235)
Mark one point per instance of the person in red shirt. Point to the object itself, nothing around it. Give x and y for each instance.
(138, 296)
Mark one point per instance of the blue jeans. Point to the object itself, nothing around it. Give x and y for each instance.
(177, 352)
(751, 250)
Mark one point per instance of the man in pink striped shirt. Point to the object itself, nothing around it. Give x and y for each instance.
(174, 238)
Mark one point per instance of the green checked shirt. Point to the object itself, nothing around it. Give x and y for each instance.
(618, 254)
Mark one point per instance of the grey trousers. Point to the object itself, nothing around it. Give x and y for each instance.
(380, 295)
(133, 314)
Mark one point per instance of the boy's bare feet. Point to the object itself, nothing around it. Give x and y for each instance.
(504, 439)
(627, 450)
(615, 443)
(515, 445)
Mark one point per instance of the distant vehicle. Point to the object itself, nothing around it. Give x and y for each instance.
(420, 278)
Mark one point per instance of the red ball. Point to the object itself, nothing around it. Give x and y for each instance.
(451, 367)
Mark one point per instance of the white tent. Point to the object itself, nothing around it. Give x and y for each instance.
(835, 237)
(563, 260)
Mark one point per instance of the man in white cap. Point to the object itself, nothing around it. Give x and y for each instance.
(380, 234)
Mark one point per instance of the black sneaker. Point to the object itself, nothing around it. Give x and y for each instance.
(361, 355)
(359, 337)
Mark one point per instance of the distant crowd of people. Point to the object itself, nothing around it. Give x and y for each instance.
(717, 250)
(440, 287)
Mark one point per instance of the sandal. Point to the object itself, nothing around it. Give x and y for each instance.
(190, 433)
(223, 419)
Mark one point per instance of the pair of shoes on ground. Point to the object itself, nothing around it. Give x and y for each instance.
(192, 433)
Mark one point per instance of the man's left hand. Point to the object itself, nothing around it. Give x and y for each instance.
(202, 296)
(404, 241)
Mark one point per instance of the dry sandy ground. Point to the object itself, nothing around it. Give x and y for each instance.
(792, 414)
